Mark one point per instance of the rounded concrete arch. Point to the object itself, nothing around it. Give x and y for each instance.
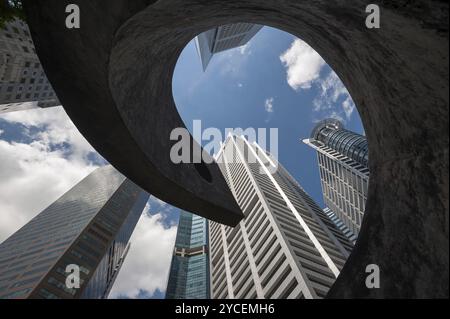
(114, 74)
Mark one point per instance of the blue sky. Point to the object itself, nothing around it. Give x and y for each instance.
(237, 83)
(275, 81)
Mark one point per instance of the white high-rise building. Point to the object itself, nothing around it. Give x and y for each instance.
(343, 158)
(285, 247)
(23, 84)
(223, 38)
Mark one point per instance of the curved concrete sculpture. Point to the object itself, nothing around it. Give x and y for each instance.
(113, 76)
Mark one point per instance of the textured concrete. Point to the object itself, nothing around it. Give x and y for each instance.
(114, 79)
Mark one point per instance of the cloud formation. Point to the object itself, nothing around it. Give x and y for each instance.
(333, 99)
(268, 105)
(35, 173)
(303, 65)
(45, 158)
(52, 128)
(146, 267)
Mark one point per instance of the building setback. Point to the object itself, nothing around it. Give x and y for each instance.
(89, 226)
(286, 247)
(189, 269)
(343, 158)
(23, 84)
(223, 38)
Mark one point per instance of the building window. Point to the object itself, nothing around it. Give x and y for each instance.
(47, 294)
(18, 96)
(25, 282)
(25, 49)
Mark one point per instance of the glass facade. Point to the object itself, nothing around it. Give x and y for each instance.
(344, 173)
(331, 133)
(103, 279)
(223, 38)
(286, 247)
(84, 225)
(189, 269)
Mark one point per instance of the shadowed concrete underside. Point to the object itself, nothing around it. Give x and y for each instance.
(114, 78)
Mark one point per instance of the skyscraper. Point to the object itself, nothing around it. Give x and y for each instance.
(286, 247)
(189, 270)
(223, 38)
(344, 173)
(89, 227)
(23, 84)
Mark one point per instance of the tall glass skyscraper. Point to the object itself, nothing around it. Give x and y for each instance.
(89, 226)
(189, 270)
(223, 38)
(286, 246)
(344, 173)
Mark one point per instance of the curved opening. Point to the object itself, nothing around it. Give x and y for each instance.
(257, 79)
(203, 171)
(388, 72)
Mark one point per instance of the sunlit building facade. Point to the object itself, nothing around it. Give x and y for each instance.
(343, 158)
(189, 269)
(285, 247)
(23, 84)
(89, 226)
(223, 38)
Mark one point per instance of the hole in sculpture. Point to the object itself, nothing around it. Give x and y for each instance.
(203, 170)
(260, 78)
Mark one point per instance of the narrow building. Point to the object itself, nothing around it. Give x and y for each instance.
(87, 228)
(286, 246)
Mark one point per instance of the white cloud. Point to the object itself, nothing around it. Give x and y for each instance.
(245, 49)
(230, 63)
(303, 65)
(54, 158)
(147, 265)
(34, 174)
(239, 85)
(157, 201)
(333, 99)
(268, 105)
(55, 128)
(349, 106)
